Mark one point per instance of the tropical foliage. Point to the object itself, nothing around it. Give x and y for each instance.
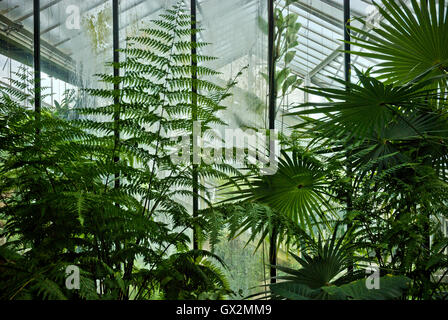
(102, 191)
(323, 274)
(392, 131)
(409, 41)
(360, 184)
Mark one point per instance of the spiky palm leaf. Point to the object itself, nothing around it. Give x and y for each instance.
(379, 122)
(366, 108)
(298, 190)
(323, 273)
(409, 41)
(63, 202)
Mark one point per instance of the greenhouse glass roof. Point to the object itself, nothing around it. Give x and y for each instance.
(249, 136)
(318, 53)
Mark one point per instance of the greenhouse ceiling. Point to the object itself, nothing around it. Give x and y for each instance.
(320, 39)
(223, 150)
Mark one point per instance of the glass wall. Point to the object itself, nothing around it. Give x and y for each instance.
(76, 39)
(76, 43)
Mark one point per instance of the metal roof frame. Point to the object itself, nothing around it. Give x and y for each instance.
(313, 46)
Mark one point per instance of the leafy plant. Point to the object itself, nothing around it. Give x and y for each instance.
(286, 33)
(102, 191)
(43, 183)
(297, 197)
(297, 190)
(392, 131)
(159, 100)
(191, 275)
(323, 274)
(409, 41)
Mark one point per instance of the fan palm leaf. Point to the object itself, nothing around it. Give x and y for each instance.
(367, 107)
(298, 190)
(379, 122)
(409, 41)
(323, 274)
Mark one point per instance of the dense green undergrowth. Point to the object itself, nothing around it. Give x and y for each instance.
(358, 201)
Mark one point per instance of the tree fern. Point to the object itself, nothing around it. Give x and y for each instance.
(60, 198)
(156, 103)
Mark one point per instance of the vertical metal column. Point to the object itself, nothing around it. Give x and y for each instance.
(37, 72)
(347, 68)
(194, 115)
(272, 107)
(271, 64)
(347, 61)
(116, 60)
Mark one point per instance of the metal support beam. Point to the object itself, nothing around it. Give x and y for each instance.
(306, 83)
(347, 73)
(272, 112)
(271, 64)
(116, 60)
(19, 45)
(335, 53)
(340, 6)
(347, 67)
(326, 61)
(30, 14)
(194, 116)
(37, 73)
(311, 8)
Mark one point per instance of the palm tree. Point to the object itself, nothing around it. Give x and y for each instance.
(409, 42)
(297, 194)
(395, 124)
(323, 274)
(378, 121)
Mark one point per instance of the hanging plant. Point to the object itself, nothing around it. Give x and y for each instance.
(99, 28)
